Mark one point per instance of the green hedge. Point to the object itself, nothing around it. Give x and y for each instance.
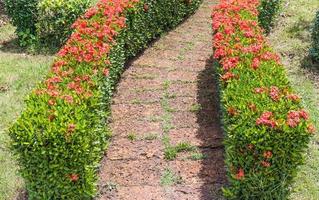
(45, 22)
(266, 128)
(23, 14)
(268, 10)
(315, 39)
(62, 134)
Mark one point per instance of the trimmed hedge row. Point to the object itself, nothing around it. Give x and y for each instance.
(61, 135)
(266, 128)
(268, 10)
(315, 39)
(46, 22)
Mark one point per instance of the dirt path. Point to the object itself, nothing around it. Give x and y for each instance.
(167, 139)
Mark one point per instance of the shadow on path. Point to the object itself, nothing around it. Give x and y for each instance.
(210, 132)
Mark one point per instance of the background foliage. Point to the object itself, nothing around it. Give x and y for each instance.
(45, 22)
(55, 18)
(23, 14)
(268, 9)
(315, 38)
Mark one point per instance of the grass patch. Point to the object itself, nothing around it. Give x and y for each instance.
(144, 77)
(195, 108)
(132, 136)
(197, 156)
(154, 119)
(150, 136)
(171, 152)
(291, 38)
(136, 102)
(184, 147)
(169, 178)
(19, 72)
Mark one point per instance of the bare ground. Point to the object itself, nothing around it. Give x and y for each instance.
(167, 97)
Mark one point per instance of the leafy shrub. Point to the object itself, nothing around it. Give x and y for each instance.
(315, 39)
(55, 18)
(266, 128)
(61, 135)
(23, 14)
(44, 21)
(268, 9)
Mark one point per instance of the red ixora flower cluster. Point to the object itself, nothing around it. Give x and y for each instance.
(294, 117)
(293, 97)
(267, 155)
(274, 92)
(226, 22)
(266, 119)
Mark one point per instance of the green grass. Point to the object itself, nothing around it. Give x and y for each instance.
(195, 108)
(197, 156)
(291, 38)
(169, 178)
(19, 72)
(172, 151)
(132, 136)
(151, 136)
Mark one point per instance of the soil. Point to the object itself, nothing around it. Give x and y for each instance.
(167, 92)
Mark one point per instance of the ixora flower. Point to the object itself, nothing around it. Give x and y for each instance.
(68, 98)
(260, 90)
(232, 111)
(265, 119)
(71, 128)
(91, 12)
(227, 76)
(51, 102)
(240, 174)
(267, 154)
(265, 163)
(51, 117)
(293, 97)
(73, 177)
(229, 63)
(255, 63)
(294, 117)
(106, 72)
(252, 107)
(311, 128)
(274, 93)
